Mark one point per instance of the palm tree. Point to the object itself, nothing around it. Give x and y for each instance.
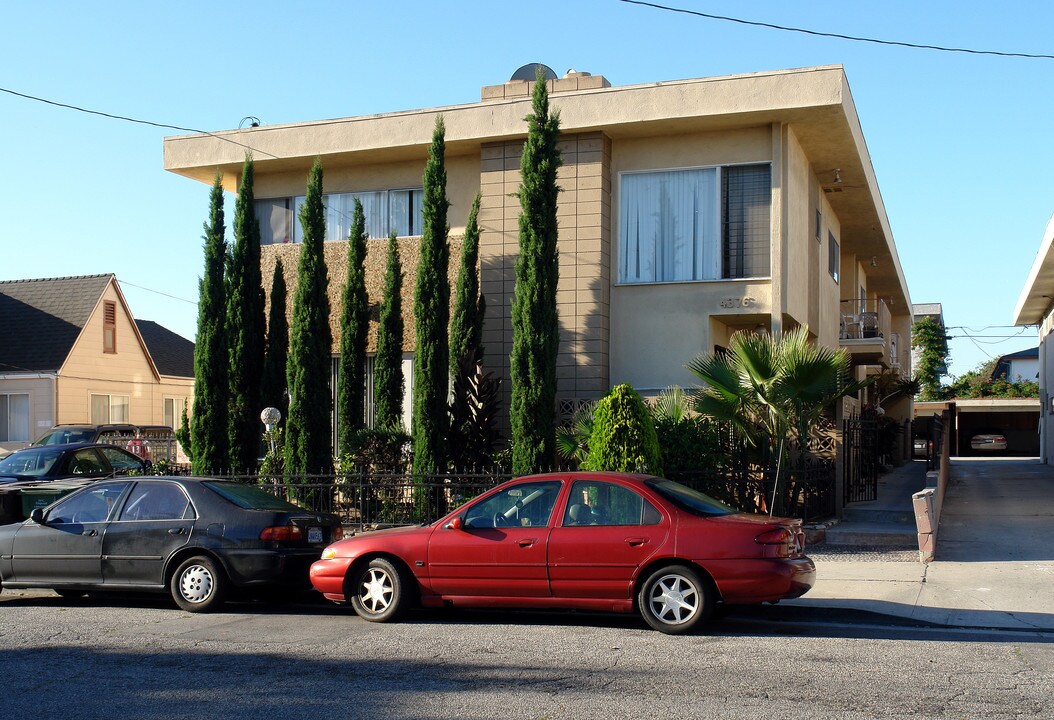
(773, 390)
(572, 440)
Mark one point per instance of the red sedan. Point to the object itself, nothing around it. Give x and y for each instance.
(588, 541)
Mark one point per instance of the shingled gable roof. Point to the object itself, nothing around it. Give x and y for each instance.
(40, 320)
(172, 354)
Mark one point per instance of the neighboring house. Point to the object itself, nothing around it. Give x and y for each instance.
(1035, 306)
(689, 210)
(1022, 366)
(72, 353)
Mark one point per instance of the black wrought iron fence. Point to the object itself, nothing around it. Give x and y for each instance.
(806, 492)
(860, 465)
(367, 500)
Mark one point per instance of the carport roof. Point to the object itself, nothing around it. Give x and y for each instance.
(978, 405)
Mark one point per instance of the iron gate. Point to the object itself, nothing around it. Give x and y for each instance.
(860, 467)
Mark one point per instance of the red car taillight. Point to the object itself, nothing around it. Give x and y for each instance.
(282, 533)
(778, 542)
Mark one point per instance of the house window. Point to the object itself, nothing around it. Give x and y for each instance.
(173, 410)
(14, 417)
(834, 257)
(109, 326)
(696, 224)
(109, 409)
(385, 211)
(275, 217)
(819, 226)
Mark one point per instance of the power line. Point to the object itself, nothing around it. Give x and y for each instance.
(157, 292)
(839, 36)
(134, 120)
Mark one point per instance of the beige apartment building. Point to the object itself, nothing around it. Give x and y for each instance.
(689, 209)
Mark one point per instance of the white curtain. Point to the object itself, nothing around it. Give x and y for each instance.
(669, 226)
(405, 212)
(398, 210)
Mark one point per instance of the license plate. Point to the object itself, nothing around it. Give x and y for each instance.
(314, 534)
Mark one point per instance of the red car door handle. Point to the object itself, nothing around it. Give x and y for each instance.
(635, 541)
(527, 542)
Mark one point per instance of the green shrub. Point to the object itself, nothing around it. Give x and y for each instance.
(623, 437)
(689, 444)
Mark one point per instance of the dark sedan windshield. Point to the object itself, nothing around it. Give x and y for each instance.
(34, 463)
(688, 499)
(249, 497)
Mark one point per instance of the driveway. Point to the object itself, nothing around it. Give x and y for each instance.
(997, 510)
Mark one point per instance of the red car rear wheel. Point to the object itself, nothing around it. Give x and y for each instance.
(675, 599)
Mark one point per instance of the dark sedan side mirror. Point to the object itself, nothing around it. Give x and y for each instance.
(454, 524)
(37, 516)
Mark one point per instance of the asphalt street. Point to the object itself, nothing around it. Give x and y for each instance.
(138, 657)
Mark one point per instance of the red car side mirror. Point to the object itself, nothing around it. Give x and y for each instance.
(454, 524)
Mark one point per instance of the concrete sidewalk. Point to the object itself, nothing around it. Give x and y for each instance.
(994, 566)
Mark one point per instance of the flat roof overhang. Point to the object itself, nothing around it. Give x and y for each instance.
(1037, 295)
(815, 102)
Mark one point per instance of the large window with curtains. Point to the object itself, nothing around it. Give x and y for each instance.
(385, 211)
(696, 224)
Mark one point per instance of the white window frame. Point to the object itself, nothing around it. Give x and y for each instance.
(620, 249)
(177, 417)
(834, 256)
(109, 408)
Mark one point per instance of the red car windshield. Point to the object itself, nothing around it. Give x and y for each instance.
(688, 499)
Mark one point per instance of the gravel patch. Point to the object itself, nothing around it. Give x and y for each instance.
(863, 553)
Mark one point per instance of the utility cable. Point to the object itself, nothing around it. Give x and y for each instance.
(134, 120)
(840, 36)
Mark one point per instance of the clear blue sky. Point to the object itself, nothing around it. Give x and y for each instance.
(961, 144)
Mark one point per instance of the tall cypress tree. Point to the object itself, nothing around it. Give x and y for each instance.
(245, 328)
(273, 394)
(535, 327)
(466, 325)
(388, 382)
(432, 314)
(307, 435)
(354, 322)
(208, 428)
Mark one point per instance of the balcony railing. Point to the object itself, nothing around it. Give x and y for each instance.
(865, 331)
(864, 318)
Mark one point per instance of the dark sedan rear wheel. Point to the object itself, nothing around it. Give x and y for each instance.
(674, 600)
(378, 592)
(198, 585)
